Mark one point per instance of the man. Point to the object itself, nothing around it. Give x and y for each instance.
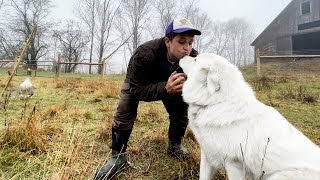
(153, 74)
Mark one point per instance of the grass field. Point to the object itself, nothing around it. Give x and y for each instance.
(64, 130)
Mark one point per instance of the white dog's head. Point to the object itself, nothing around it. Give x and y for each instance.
(211, 79)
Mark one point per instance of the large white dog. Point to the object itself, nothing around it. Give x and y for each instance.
(235, 131)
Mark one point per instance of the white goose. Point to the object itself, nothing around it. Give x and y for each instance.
(26, 88)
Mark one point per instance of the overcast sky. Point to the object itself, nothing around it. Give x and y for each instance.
(258, 12)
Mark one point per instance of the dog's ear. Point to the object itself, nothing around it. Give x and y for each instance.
(211, 80)
(213, 83)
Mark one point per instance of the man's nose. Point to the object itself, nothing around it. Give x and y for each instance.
(187, 47)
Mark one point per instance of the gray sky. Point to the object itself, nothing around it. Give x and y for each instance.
(258, 12)
(63, 9)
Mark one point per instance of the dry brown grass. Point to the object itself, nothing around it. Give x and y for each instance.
(68, 133)
(151, 113)
(110, 89)
(29, 135)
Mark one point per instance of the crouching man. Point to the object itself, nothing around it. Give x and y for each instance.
(153, 74)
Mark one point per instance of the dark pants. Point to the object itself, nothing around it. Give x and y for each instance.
(126, 114)
(178, 116)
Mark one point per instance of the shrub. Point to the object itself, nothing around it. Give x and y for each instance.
(263, 82)
(301, 94)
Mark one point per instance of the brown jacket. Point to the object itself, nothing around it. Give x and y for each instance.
(149, 70)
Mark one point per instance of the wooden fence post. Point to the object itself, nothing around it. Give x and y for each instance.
(258, 62)
(14, 71)
(103, 68)
(59, 65)
(34, 29)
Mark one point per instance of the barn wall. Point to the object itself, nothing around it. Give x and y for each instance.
(276, 39)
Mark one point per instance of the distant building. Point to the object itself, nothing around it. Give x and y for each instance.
(296, 30)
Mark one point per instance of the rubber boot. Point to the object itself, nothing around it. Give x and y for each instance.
(118, 160)
(178, 151)
(115, 164)
(177, 129)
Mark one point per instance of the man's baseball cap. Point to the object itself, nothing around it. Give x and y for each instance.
(180, 26)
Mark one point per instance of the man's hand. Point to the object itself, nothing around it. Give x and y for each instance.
(175, 82)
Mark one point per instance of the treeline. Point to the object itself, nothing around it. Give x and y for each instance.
(101, 29)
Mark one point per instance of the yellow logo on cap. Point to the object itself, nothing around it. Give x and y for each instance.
(183, 21)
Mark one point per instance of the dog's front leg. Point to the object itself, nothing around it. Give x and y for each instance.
(206, 170)
(235, 171)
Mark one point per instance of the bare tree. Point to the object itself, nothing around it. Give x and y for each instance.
(108, 39)
(26, 15)
(136, 14)
(1, 2)
(231, 39)
(241, 34)
(8, 49)
(188, 8)
(221, 38)
(200, 20)
(203, 23)
(87, 13)
(121, 25)
(72, 43)
(166, 11)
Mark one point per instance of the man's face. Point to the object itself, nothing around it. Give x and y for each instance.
(180, 46)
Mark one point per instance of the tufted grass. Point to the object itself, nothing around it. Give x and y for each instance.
(64, 130)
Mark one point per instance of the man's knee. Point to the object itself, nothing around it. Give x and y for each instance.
(126, 114)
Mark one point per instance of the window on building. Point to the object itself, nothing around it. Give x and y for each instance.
(305, 8)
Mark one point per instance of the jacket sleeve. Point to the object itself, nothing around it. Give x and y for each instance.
(141, 76)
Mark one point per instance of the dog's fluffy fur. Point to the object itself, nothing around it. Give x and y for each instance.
(237, 132)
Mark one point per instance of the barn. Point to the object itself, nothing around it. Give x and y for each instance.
(295, 31)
